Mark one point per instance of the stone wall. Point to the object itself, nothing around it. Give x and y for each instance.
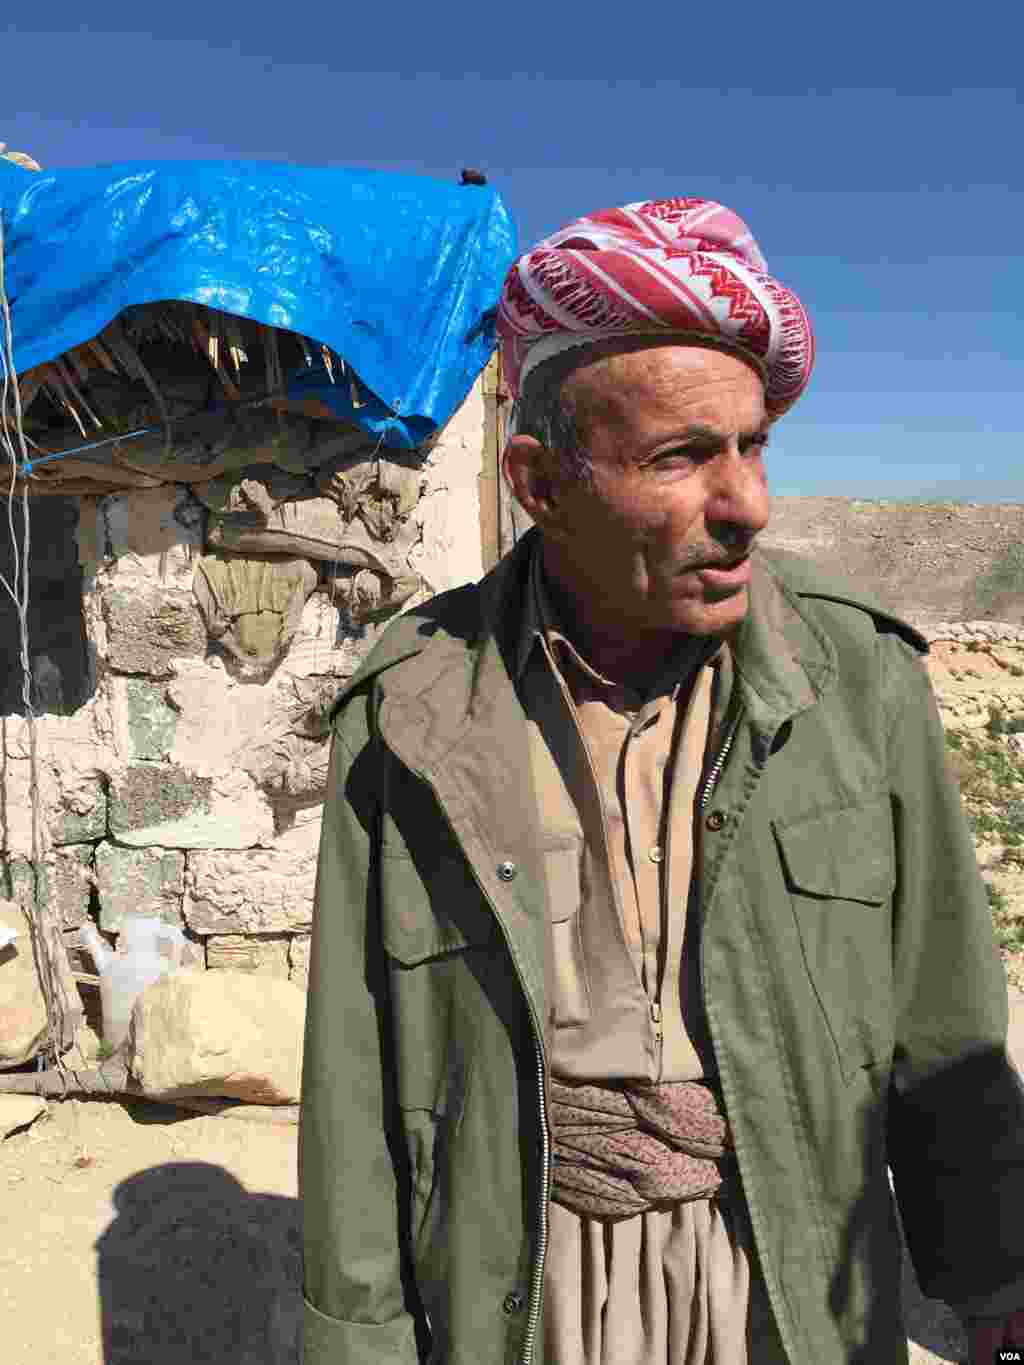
(188, 637)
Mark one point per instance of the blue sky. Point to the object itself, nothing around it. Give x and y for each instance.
(875, 153)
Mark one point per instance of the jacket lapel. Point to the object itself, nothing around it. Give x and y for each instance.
(451, 715)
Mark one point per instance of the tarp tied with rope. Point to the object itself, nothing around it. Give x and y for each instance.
(394, 276)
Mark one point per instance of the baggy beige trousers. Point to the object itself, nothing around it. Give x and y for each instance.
(674, 1287)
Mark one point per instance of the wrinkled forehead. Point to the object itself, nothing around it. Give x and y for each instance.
(663, 383)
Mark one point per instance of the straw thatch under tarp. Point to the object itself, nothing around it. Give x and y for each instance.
(175, 392)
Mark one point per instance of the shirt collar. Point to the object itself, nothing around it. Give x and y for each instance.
(542, 625)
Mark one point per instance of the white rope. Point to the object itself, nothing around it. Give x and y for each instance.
(46, 943)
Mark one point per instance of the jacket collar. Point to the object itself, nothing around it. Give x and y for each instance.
(458, 667)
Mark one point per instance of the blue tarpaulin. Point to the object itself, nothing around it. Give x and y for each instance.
(398, 274)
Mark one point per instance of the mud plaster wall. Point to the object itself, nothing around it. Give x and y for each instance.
(187, 637)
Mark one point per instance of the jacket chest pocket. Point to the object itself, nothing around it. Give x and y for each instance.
(568, 983)
(433, 922)
(839, 870)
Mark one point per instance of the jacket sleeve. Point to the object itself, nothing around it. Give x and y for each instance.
(956, 1110)
(355, 1308)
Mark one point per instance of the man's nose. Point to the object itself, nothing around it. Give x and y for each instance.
(738, 494)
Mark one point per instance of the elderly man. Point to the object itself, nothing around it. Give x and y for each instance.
(649, 931)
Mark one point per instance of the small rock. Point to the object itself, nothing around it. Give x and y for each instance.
(18, 1111)
(223, 1033)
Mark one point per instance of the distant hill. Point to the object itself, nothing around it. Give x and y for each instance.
(932, 562)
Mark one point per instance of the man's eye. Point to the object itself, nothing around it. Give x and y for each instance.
(759, 441)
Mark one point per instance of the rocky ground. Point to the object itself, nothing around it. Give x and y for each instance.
(977, 672)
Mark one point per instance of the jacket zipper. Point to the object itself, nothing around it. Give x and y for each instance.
(718, 765)
(537, 1279)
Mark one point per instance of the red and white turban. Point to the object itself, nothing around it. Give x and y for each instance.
(678, 266)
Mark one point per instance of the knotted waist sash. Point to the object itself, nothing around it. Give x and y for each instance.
(622, 1149)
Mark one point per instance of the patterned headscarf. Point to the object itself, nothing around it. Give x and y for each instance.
(685, 267)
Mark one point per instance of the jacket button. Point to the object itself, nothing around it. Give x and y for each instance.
(513, 1303)
(506, 871)
(716, 819)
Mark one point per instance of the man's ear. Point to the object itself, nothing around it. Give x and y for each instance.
(532, 472)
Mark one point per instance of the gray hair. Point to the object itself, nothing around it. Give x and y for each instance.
(544, 412)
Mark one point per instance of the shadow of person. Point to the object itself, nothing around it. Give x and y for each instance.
(195, 1269)
(930, 1322)
(949, 1139)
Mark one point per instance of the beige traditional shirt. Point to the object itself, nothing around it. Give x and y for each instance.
(616, 775)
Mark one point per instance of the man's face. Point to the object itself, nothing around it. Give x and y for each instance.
(675, 434)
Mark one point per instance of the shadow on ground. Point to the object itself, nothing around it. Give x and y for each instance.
(195, 1269)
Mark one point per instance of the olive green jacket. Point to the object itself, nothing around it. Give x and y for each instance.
(854, 992)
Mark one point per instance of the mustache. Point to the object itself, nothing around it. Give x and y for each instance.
(718, 559)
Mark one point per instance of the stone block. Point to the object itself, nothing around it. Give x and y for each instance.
(149, 722)
(64, 887)
(149, 627)
(16, 880)
(165, 805)
(219, 721)
(138, 881)
(266, 890)
(147, 796)
(72, 791)
(263, 953)
(70, 873)
(80, 811)
(229, 1033)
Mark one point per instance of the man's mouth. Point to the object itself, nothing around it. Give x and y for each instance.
(731, 573)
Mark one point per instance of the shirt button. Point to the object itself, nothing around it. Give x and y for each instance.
(716, 820)
(656, 854)
(513, 1303)
(506, 871)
